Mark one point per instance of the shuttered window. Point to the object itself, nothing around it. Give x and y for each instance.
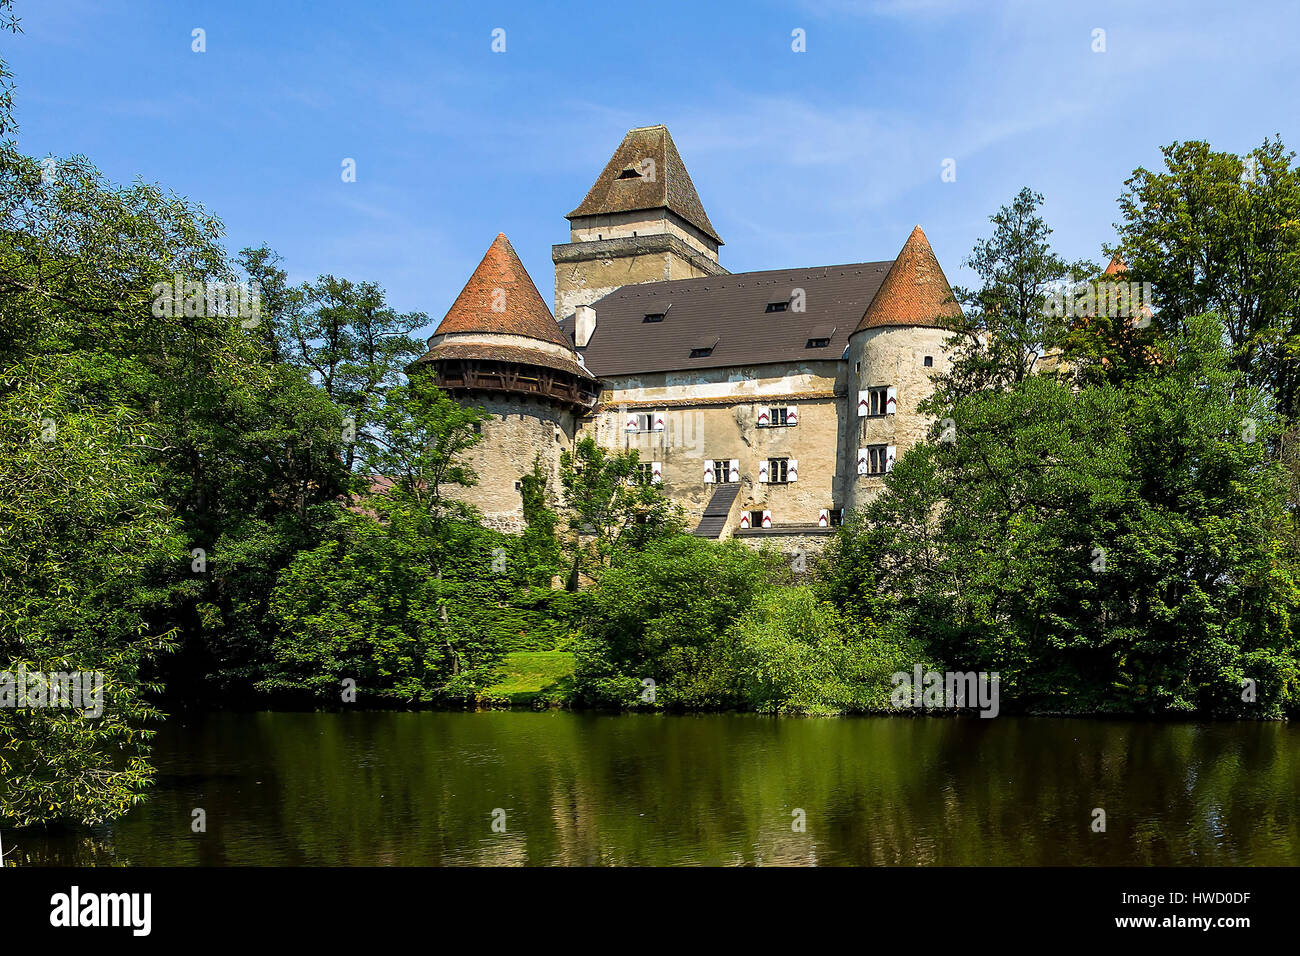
(874, 402)
(874, 460)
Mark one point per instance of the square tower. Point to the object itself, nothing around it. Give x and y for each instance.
(642, 221)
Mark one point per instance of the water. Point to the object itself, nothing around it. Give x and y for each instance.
(422, 788)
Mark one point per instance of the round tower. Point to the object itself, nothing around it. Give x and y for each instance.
(894, 354)
(499, 349)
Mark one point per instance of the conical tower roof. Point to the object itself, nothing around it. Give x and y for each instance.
(646, 172)
(500, 297)
(914, 292)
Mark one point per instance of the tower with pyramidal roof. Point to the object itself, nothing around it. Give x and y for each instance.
(641, 221)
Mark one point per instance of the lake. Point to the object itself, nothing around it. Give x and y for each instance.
(524, 788)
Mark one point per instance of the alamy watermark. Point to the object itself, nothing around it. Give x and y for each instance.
(950, 689)
(1110, 299)
(193, 299)
(35, 690)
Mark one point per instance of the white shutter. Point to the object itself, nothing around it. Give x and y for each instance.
(891, 400)
(762, 471)
(709, 477)
(656, 472)
(792, 415)
(862, 461)
(733, 474)
(764, 416)
(659, 420)
(630, 426)
(792, 469)
(744, 519)
(890, 452)
(824, 518)
(863, 403)
(767, 519)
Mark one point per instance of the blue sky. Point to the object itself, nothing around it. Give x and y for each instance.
(821, 157)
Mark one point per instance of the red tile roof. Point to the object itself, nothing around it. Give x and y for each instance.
(914, 292)
(501, 280)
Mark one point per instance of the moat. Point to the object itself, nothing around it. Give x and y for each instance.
(580, 789)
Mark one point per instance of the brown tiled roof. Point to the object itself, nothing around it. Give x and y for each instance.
(914, 293)
(732, 309)
(1116, 266)
(525, 311)
(521, 354)
(671, 187)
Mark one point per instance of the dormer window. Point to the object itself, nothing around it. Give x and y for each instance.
(630, 173)
(777, 307)
(703, 347)
(819, 336)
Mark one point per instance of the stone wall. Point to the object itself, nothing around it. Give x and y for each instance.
(891, 356)
(714, 414)
(520, 430)
(587, 271)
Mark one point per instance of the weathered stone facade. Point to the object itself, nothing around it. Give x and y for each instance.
(520, 431)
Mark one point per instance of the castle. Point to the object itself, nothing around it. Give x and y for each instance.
(768, 404)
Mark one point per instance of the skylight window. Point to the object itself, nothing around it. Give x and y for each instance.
(777, 306)
(653, 317)
(817, 343)
(702, 353)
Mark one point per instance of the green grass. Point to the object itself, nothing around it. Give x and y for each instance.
(530, 676)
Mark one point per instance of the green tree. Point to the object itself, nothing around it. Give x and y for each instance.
(660, 614)
(1004, 327)
(1216, 232)
(354, 345)
(610, 508)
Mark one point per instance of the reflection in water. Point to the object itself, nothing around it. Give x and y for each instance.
(421, 789)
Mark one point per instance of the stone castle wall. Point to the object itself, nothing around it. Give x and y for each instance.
(519, 431)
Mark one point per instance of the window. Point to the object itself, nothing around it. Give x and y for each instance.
(817, 343)
(877, 399)
(629, 173)
(777, 307)
(653, 317)
(777, 416)
(721, 469)
(776, 471)
(519, 486)
(756, 519)
(876, 460)
(644, 474)
(929, 361)
(837, 516)
(702, 352)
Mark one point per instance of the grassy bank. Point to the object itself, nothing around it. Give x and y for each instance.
(534, 676)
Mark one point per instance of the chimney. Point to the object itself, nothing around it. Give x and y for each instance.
(584, 325)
